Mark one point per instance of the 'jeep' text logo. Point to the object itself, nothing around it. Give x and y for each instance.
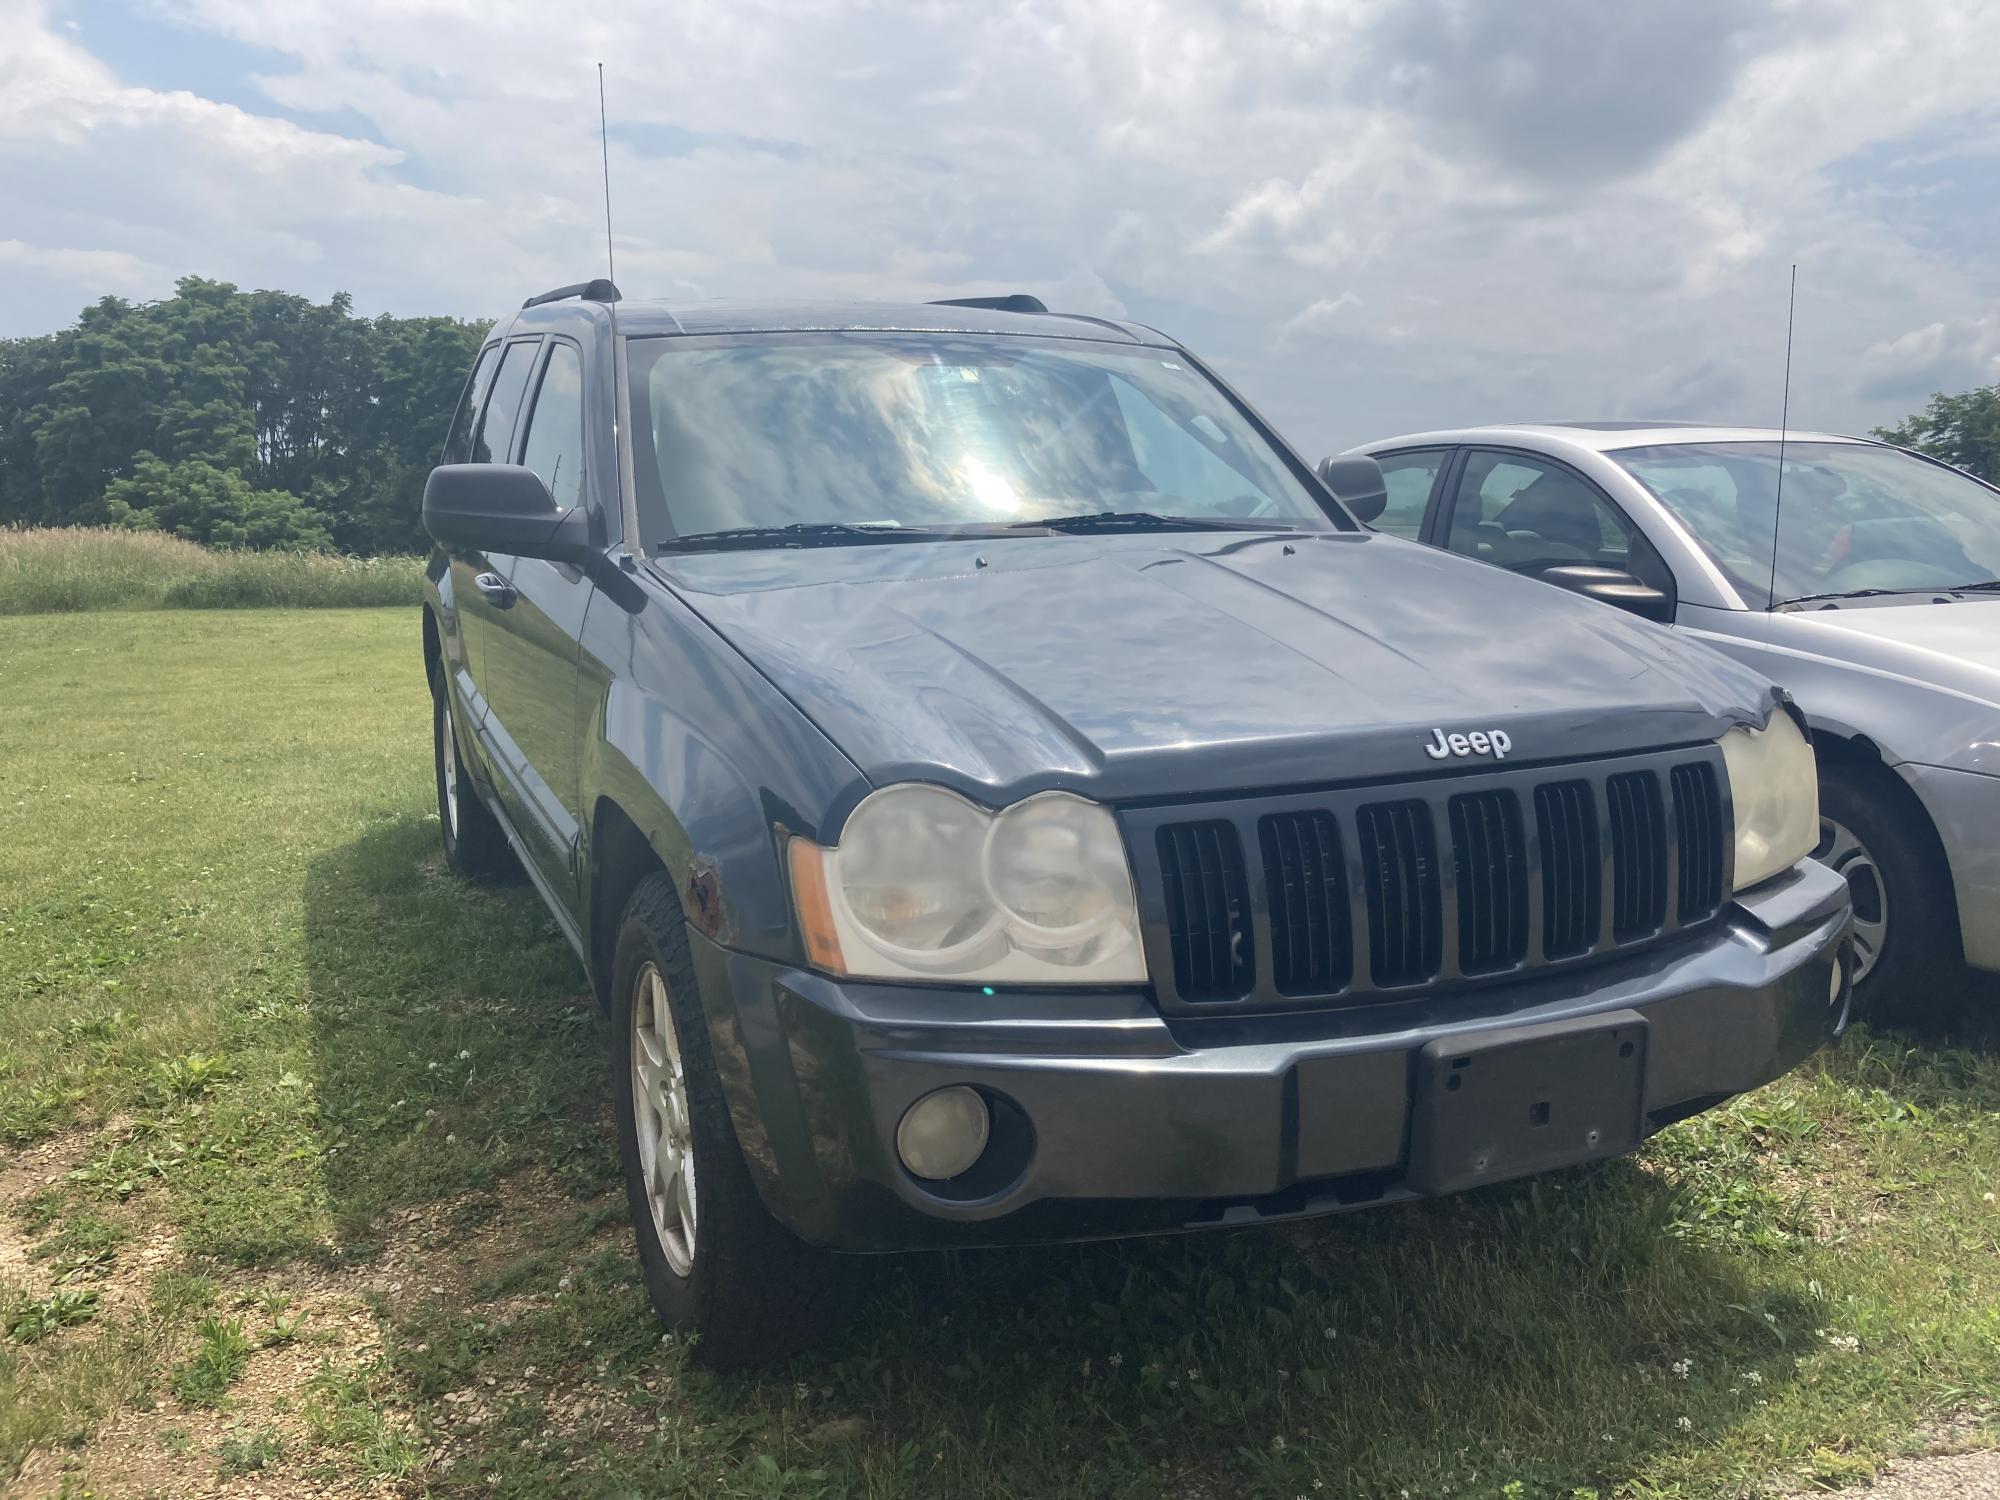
(1493, 742)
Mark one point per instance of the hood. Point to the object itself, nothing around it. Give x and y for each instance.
(1168, 665)
(1955, 645)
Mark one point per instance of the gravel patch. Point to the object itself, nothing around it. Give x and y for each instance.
(1957, 1476)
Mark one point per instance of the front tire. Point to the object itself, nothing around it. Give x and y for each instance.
(1873, 833)
(715, 1263)
(474, 845)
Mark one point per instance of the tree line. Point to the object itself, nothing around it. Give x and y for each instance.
(262, 419)
(235, 419)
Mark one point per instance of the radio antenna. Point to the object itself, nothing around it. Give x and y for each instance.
(1784, 428)
(604, 147)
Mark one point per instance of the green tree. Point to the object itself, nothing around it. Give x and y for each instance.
(340, 415)
(195, 499)
(1963, 430)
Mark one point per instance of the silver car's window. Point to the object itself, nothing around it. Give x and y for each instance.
(1854, 517)
(1407, 478)
(931, 430)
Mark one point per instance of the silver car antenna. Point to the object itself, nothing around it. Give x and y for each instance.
(1784, 425)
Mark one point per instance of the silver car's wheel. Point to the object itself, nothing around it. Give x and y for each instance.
(660, 1111)
(448, 750)
(1844, 853)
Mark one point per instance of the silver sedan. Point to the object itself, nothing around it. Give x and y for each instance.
(1869, 586)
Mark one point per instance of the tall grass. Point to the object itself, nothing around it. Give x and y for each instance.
(77, 568)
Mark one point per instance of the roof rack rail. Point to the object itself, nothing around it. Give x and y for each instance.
(600, 290)
(1019, 302)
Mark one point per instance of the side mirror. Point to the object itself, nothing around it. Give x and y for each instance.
(502, 508)
(1357, 481)
(1613, 586)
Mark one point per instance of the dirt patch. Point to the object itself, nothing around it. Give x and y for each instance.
(23, 1174)
(260, 1440)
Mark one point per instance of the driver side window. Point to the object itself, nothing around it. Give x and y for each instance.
(1525, 515)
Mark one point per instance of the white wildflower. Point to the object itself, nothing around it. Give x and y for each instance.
(1754, 1377)
(1115, 1360)
(1680, 1367)
(1686, 1424)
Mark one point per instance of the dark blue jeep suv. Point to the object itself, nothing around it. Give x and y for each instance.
(1000, 793)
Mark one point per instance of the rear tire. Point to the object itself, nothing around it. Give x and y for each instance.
(1907, 950)
(715, 1263)
(474, 846)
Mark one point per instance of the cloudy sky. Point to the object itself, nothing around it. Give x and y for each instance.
(1376, 215)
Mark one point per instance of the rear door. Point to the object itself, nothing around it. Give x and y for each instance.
(531, 649)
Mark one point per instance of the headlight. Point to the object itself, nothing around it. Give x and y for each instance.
(1774, 782)
(926, 885)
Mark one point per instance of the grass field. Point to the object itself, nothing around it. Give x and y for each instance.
(88, 567)
(306, 1178)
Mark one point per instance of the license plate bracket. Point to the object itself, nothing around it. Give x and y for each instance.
(1519, 1099)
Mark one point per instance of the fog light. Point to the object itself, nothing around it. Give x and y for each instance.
(942, 1134)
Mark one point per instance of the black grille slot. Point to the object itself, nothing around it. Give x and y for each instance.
(1572, 868)
(1208, 910)
(1490, 856)
(1305, 880)
(1405, 920)
(1698, 833)
(1638, 855)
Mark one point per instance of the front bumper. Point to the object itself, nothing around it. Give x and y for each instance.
(1140, 1124)
(1965, 809)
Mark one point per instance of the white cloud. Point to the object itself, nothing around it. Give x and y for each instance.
(94, 272)
(1376, 215)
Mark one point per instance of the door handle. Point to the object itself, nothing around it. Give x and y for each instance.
(496, 590)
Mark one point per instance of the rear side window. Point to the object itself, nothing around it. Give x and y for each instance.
(493, 438)
(458, 442)
(1408, 478)
(555, 427)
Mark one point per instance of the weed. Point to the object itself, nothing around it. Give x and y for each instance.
(218, 1362)
(35, 1320)
(240, 1455)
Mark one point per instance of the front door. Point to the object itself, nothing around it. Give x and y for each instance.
(481, 435)
(531, 648)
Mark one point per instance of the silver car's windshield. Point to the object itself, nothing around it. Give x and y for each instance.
(1855, 518)
(864, 434)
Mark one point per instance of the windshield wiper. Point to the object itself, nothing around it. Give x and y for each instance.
(1144, 520)
(1854, 594)
(1984, 586)
(803, 534)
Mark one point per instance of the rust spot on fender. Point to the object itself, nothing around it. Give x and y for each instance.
(704, 903)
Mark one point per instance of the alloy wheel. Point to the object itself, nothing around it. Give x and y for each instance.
(660, 1108)
(1841, 851)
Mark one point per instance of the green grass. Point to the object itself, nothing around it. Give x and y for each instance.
(91, 568)
(257, 1016)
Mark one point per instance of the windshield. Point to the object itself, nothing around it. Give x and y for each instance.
(1856, 518)
(893, 430)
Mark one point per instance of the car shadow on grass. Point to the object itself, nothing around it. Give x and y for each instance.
(1565, 1332)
